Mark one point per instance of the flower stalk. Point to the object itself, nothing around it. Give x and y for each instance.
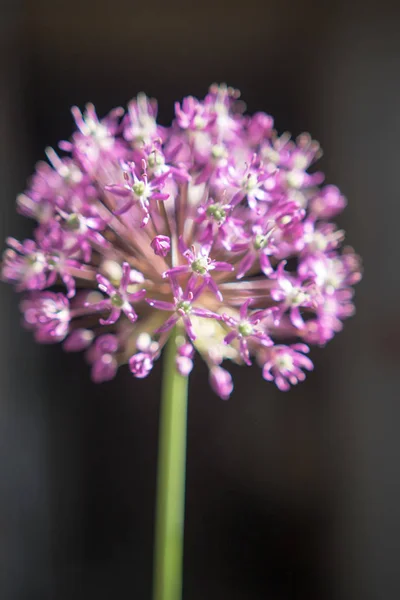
(170, 508)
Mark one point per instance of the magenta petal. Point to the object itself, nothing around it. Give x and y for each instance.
(223, 266)
(136, 296)
(244, 352)
(104, 285)
(206, 314)
(244, 307)
(238, 197)
(161, 305)
(282, 384)
(188, 327)
(113, 318)
(95, 223)
(265, 264)
(296, 318)
(245, 264)
(159, 196)
(230, 337)
(213, 286)
(168, 324)
(176, 270)
(221, 382)
(118, 190)
(301, 348)
(130, 313)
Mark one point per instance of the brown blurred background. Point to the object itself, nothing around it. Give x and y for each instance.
(289, 496)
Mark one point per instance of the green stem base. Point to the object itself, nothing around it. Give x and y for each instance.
(170, 506)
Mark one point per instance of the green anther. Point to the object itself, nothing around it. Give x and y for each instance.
(216, 212)
(250, 182)
(297, 297)
(199, 122)
(245, 329)
(218, 151)
(52, 262)
(154, 160)
(184, 305)
(200, 266)
(73, 222)
(32, 259)
(285, 362)
(260, 241)
(117, 301)
(139, 188)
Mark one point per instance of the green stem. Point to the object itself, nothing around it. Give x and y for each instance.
(170, 508)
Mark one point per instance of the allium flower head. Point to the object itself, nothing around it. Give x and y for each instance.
(212, 225)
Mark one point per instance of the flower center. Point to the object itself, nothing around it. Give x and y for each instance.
(318, 242)
(284, 362)
(260, 241)
(51, 310)
(216, 212)
(36, 262)
(200, 265)
(53, 260)
(155, 160)
(250, 182)
(300, 162)
(184, 305)
(297, 296)
(218, 151)
(73, 222)
(271, 154)
(97, 130)
(117, 300)
(199, 122)
(295, 179)
(139, 188)
(245, 328)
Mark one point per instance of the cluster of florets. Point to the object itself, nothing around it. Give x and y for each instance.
(212, 228)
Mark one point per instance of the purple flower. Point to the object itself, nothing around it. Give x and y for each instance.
(253, 184)
(121, 299)
(48, 315)
(292, 294)
(184, 362)
(25, 265)
(194, 115)
(285, 363)
(140, 125)
(138, 190)
(221, 382)
(263, 240)
(78, 340)
(95, 140)
(247, 327)
(141, 363)
(102, 356)
(199, 266)
(183, 308)
(213, 225)
(212, 215)
(161, 245)
(328, 202)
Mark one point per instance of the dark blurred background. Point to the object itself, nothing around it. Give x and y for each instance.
(289, 496)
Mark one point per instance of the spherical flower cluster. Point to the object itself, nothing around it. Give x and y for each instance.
(213, 226)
